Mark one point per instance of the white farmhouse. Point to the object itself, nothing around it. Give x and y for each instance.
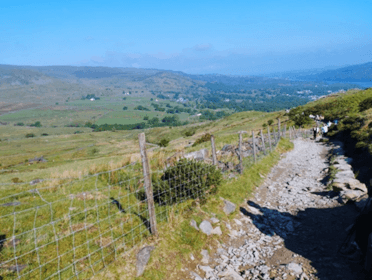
(92, 99)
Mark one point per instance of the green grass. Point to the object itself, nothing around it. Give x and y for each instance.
(76, 155)
(346, 108)
(71, 153)
(178, 239)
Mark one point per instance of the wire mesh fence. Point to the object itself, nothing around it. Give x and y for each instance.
(75, 227)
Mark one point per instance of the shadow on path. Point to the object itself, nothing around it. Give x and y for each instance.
(317, 236)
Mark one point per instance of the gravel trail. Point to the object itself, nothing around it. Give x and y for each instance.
(291, 229)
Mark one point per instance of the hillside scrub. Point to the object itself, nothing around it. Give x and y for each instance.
(352, 110)
(188, 179)
(205, 138)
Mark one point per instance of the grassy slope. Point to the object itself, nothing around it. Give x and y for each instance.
(81, 154)
(346, 108)
(177, 239)
(75, 154)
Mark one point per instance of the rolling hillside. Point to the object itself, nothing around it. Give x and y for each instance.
(354, 73)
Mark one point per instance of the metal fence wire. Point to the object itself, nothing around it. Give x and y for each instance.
(75, 227)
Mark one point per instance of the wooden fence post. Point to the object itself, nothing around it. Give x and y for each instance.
(274, 136)
(240, 152)
(214, 155)
(148, 185)
(285, 131)
(254, 147)
(279, 129)
(263, 141)
(268, 133)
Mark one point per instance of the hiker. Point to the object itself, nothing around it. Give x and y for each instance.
(324, 129)
(314, 131)
(329, 123)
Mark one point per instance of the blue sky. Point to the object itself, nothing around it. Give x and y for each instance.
(227, 37)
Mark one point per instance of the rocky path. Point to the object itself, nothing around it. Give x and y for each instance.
(291, 229)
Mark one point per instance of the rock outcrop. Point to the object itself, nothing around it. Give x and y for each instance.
(345, 183)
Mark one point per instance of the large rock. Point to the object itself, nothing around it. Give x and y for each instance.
(345, 173)
(356, 185)
(143, 258)
(343, 166)
(229, 207)
(230, 274)
(296, 268)
(208, 271)
(36, 181)
(221, 165)
(37, 159)
(227, 148)
(206, 227)
(352, 195)
(198, 155)
(217, 231)
(340, 184)
(195, 275)
(206, 257)
(228, 166)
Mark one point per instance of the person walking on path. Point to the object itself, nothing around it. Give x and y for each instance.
(314, 131)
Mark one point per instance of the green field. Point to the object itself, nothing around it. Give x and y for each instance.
(107, 110)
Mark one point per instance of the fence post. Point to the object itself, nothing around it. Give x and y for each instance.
(214, 156)
(254, 147)
(263, 142)
(279, 129)
(148, 185)
(285, 131)
(290, 133)
(268, 133)
(240, 152)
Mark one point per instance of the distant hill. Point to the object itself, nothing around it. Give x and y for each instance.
(354, 73)
(57, 85)
(14, 76)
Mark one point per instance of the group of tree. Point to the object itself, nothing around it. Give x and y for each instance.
(141, 108)
(157, 107)
(153, 122)
(211, 115)
(90, 96)
(35, 124)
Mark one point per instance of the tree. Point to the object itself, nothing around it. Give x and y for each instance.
(154, 121)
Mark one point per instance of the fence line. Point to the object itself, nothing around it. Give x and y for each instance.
(74, 229)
